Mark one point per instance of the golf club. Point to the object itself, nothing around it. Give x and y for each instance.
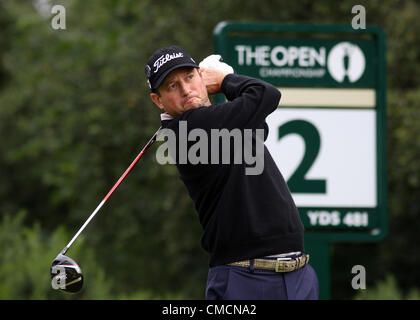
(65, 273)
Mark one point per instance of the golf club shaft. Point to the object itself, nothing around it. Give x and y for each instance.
(153, 139)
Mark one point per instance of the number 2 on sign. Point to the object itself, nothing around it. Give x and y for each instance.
(297, 181)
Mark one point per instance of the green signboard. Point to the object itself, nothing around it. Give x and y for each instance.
(328, 134)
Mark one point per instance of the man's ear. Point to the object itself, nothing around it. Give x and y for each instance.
(156, 100)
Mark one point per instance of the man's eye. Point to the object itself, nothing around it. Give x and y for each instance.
(172, 86)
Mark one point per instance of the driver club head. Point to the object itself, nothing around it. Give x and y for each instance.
(66, 274)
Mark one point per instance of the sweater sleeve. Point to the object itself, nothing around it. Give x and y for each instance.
(250, 102)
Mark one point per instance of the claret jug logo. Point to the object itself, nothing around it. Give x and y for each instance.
(346, 62)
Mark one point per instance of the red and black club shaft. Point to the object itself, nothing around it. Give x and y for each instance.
(153, 139)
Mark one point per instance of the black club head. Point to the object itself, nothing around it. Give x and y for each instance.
(66, 274)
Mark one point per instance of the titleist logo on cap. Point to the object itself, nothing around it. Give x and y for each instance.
(164, 59)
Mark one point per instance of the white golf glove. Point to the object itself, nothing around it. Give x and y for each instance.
(214, 61)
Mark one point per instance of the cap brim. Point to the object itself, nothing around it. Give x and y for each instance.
(165, 74)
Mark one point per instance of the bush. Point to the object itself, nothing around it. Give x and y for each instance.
(25, 259)
(387, 290)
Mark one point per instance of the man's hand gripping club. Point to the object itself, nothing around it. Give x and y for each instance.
(213, 71)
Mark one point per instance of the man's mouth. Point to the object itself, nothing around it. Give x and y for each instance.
(189, 100)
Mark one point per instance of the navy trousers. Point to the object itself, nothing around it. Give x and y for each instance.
(238, 283)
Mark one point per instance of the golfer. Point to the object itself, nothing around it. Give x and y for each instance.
(251, 226)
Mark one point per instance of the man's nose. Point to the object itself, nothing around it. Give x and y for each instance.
(185, 88)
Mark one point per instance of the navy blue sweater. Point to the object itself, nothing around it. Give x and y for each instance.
(243, 216)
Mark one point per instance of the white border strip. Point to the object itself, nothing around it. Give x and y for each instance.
(322, 97)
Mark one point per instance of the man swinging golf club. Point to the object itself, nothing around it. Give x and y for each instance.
(251, 226)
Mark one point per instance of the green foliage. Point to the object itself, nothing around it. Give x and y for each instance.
(404, 148)
(78, 118)
(74, 112)
(26, 254)
(387, 289)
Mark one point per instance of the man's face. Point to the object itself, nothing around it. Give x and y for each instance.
(182, 89)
